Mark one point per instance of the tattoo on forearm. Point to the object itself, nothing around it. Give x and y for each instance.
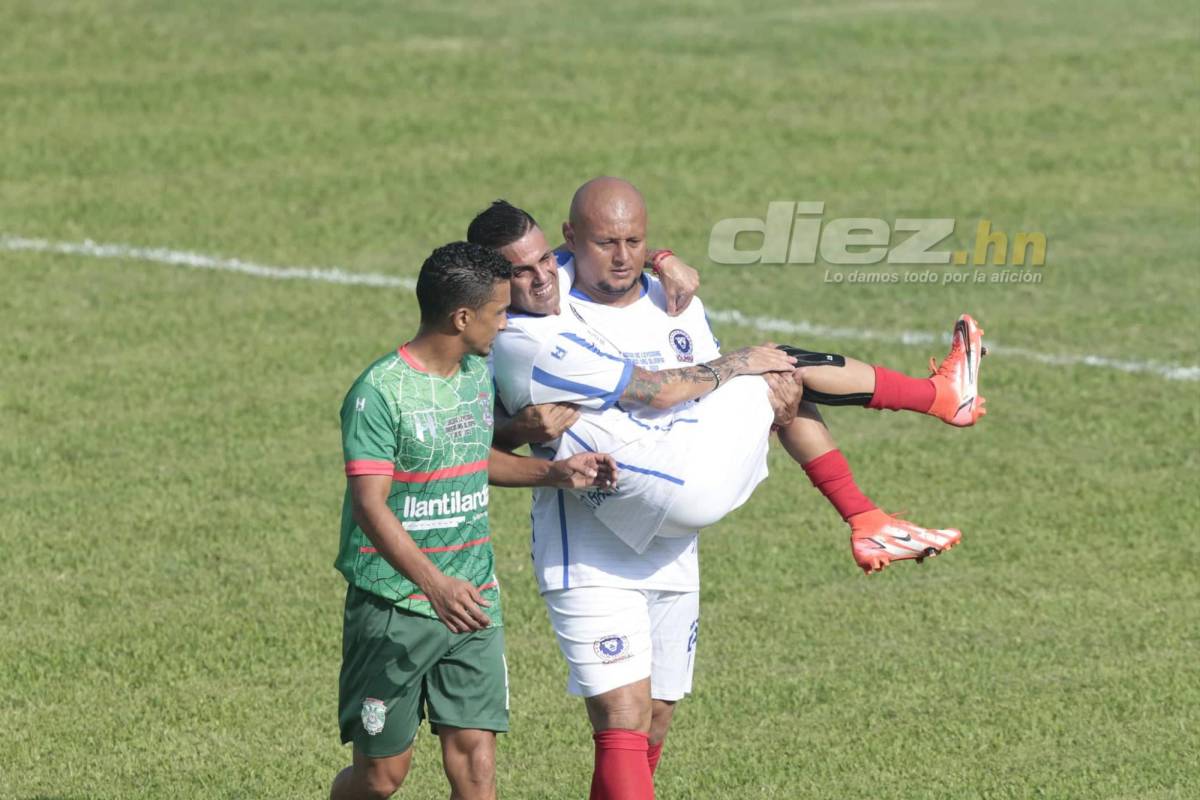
(646, 386)
(731, 365)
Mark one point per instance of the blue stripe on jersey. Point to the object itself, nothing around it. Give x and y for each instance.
(581, 442)
(562, 524)
(584, 343)
(630, 467)
(652, 473)
(582, 389)
(609, 396)
(562, 257)
(626, 377)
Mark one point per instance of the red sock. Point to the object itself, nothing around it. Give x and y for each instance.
(830, 473)
(622, 770)
(899, 392)
(653, 755)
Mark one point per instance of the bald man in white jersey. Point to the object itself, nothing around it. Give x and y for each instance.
(620, 572)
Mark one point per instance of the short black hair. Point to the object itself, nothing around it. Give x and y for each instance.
(458, 275)
(499, 225)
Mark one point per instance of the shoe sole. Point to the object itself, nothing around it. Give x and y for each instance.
(885, 559)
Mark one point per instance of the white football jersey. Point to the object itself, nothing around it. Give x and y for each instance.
(585, 355)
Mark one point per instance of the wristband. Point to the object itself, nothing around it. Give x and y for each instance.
(658, 257)
(715, 374)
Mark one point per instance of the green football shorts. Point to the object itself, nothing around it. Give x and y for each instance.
(398, 668)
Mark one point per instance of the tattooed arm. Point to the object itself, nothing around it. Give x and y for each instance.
(670, 387)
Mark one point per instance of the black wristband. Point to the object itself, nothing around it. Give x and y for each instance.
(715, 374)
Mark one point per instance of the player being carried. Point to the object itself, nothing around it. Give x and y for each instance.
(549, 363)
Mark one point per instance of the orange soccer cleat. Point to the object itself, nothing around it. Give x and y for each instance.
(878, 538)
(956, 382)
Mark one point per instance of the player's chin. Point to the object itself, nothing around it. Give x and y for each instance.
(620, 282)
(542, 307)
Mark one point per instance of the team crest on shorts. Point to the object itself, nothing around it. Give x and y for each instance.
(612, 648)
(374, 715)
(682, 344)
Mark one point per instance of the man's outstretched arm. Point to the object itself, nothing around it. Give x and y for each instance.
(577, 472)
(670, 387)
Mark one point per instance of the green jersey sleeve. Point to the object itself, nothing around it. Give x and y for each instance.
(368, 432)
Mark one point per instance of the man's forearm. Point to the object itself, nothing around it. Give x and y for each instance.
(506, 438)
(508, 470)
(670, 387)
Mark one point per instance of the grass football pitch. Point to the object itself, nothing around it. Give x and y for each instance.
(169, 451)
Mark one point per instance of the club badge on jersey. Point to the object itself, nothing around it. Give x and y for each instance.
(681, 343)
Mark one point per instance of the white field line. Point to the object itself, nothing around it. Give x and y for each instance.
(183, 258)
(1173, 372)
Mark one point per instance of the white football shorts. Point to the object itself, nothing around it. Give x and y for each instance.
(612, 637)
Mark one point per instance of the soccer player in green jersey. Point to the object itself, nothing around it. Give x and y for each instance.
(422, 629)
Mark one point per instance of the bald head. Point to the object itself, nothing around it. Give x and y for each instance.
(606, 198)
(607, 234)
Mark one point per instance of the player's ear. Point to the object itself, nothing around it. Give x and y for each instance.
(460, 318)
(569, 236)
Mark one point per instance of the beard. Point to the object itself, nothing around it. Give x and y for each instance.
(615, 287)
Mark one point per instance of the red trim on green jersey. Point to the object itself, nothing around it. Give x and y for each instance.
(451, 547)
(446, 549)
(438, 474)
(409, 358)
(367, 467)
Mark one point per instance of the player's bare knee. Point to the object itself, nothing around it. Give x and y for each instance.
(380, 786)
(380, 778)
(624, 708)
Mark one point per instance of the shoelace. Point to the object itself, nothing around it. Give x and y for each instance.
(893, 519)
